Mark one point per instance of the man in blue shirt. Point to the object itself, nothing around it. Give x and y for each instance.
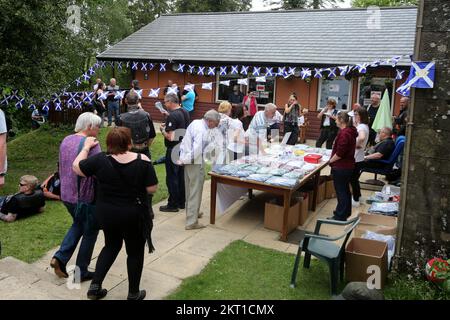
(188, 99)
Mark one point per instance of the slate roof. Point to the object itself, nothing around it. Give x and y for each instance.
(322, 37)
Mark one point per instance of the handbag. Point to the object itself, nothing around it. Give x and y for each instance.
(85, 212)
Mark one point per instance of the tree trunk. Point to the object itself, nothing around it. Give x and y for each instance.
(424, 230)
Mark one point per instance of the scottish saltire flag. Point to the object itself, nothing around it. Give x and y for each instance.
(201, 71)
(318, 73)
(5, 100)
(103, 96)
(269, 72)
(154, 93)
(384, 115)
(305, 73)
(172, 90)
(244, 70)
(207, 86)
(20, 103)
(343, 70)
(257, 71)
(332, 72)
(119, 95)
(162, 67)
(181, 67)
(399, 75)
(211, 71)
(139, 93)
(281, 71)
(223, 71)
(191, 69)
(144, 66)
(234, 69)
(32, 107)
(421, 75)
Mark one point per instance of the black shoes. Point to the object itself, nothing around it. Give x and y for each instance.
(168, 209)
(96, 292)
(87, 277)
(138, 296)
(59, 267)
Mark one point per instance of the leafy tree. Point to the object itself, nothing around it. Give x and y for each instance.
(142, 12)
(182, 6)
(301, 4)
(383, 3)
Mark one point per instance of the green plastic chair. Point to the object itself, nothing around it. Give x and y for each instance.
(324, 248)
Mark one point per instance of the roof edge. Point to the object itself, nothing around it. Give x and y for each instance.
(283, 11)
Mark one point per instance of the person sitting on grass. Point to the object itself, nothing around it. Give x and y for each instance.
(51, 187)
(27, 202)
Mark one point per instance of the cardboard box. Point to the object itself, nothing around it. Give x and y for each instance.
(361, 254)
(273, 216)
(376, 223)
(330, 192)
(303, 210)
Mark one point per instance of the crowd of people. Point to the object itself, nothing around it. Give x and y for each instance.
(112, 190)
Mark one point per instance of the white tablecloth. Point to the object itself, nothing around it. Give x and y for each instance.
(227, 195)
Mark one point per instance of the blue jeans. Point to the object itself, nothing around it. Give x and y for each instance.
(70, 242)
(113, 107)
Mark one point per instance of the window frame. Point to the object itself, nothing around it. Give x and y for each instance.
(350, 92)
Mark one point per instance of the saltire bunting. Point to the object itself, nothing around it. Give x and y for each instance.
(343, 70)
(86, 77)
(19, 104)
(269, 72)
(211, 71)
(46, 107)
(292, 70)
(139, 93)
(14, 95)
(362, 68)
(77, 106)
(243, 82)
(97, 65)
(421, 75)
(399, 74)
(120, 65)
(172, 90)
(305, 73)
(331, 72)
(191, 69)
(111, 64)
(103, 64)
(91, 71)
(376, 63)
(144, 66)
(119, 95)
(5, 100)
(88, 96)
(78, 82)
(58, 106)
(318, 73)
(225, 83)
(154, 93)
(394, 61)
(260, 79)
(256, 71)
(151, 66)
(207, 86)
(71, 99)
(201, 71)
(244, 70)
(181, 67)
(223, 71)
(281, 71)
(32, 107)
(162, 67)
(234, 69)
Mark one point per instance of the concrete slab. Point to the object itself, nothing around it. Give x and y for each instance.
(179, 264)
(266, 239)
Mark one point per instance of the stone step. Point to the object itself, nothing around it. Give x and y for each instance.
(28, 273)
(12, 288)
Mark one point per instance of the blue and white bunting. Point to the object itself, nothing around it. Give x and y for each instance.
(256, 71)
(86, 77)
(119, 65)
(5, 101)
(144, 66)
(139, 93)
(243, 82)
(207, 86)
(103, 64)
(14, 95)
(211, 71)
(394, 61)
(223, 71)
(362, 68)
(91, 71)
(343, 70)
(201, 71)
(244, 70)
(399, 74)
(71, 99)
(318, 73)
(103, 96)
(376, 63)
(292, 70)
(331, 72)
(151, 66)
(154, 93)
(269, 72)
(260, 79)
(119, 95)
(19, 104)
(78, 82)
(305, 73)
(58, 106)
(225, 83)
(32, 107)
(191, 69)
(88, 96)
(111, 64)
(181, 67)
(281, 71)
(234, 69)
(135, 66)
(172, 90)
(162, 67)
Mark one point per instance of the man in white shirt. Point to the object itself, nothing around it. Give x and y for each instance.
(3, 136)
(199, 134)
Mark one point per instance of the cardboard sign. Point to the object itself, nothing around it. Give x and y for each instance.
(260, 87)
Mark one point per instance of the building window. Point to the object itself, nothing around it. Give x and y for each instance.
(265, 91)
(374, 85)
(338, 89)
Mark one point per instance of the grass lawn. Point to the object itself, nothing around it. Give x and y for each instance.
(36, 153)
(245, 271)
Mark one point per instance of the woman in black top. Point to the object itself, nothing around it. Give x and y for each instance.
(122, 207)
(99, 105)
(291, 114)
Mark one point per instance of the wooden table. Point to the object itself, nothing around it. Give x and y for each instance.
(286, 192)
